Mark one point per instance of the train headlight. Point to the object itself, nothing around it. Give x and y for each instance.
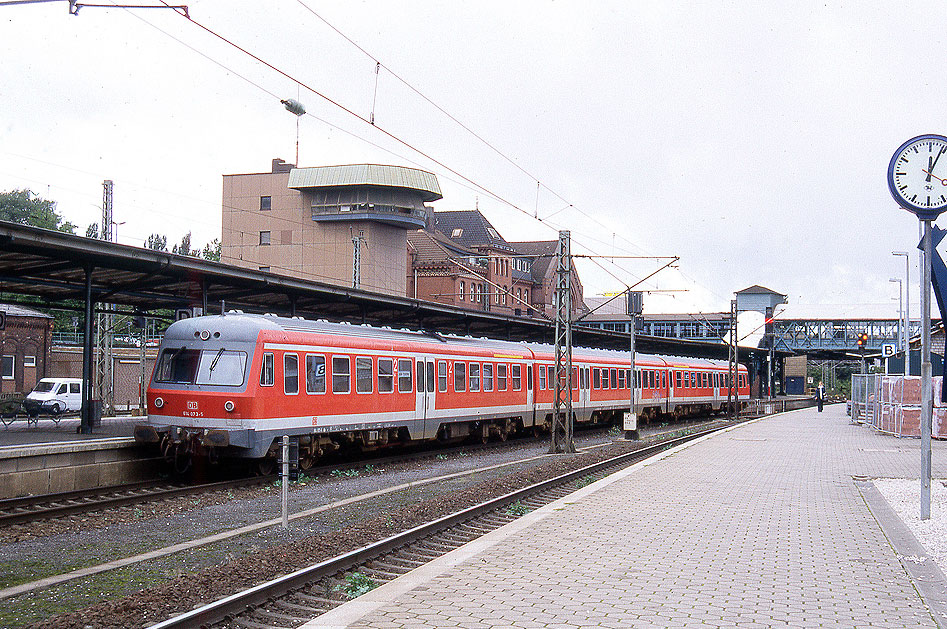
(159, 402)
(228, 406)
(205, 334)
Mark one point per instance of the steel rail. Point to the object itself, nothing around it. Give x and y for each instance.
(31, 509)
(241, 601)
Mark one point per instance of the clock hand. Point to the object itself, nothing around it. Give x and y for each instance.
(941, 180)
(934, 163)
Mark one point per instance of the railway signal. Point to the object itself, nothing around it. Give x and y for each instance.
(862, 340)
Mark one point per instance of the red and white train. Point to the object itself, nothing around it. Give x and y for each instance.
(232, 385)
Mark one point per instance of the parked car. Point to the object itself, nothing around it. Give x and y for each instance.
(54, 396)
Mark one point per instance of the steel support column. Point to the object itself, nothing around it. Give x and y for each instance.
(85, 425)
(562, 409)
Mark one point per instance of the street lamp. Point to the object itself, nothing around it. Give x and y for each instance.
(901, 329)
(907, 306)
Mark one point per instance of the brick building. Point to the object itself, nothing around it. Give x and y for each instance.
(26, 342)
(370, 224)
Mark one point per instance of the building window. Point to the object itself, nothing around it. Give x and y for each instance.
(461, 292)
(266, 203)
(473, 292)
(29, 361)
(6, 367)
(457, 233)
(264, 238)
(264, 269)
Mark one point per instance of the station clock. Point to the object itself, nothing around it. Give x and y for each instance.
(917, 176)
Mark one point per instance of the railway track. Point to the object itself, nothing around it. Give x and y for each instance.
(47, 506)
(296, 598)
(32, 508)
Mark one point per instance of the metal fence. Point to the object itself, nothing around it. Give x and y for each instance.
(865, 407)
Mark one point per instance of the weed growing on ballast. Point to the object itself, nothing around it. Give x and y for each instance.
(517, 509)
(356, 584)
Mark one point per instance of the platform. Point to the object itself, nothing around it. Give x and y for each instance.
(768, 524)
(45, 430)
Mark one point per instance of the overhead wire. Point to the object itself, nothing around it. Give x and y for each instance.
(374, 124)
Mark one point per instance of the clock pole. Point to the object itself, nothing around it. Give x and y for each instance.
(927, 396)
(915, 185)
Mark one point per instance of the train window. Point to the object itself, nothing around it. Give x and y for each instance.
(290, 374)
(716, 382)
(177, 365)
(614, 378)
(677, 379)
(474, 376)
(529, 377)
(404, 375)
(221, 367)
(267, 370)
(542, 378)
(693, 380)
(628, 377)
(596, 378)
(430, 376)
(487, 377)
(460, 376)
(575, 378)
(341, 374)
(501, 377)
(551, 376)
(315, 374)
(363, 374)
(516, 374)
(419, 368)
(442, 375)
(584, 377)
(621, 378)
(664, 379)
(386, 376)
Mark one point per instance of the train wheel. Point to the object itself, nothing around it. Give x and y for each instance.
(265, 466)
(182, 460)
(306, 461)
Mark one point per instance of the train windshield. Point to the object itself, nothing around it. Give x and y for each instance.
(210, 366)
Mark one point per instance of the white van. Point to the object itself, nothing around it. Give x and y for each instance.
(54, 396)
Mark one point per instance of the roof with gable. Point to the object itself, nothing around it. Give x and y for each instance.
(756, 289)
(469, 228)
(545, 252)
(434, 248)
(19, 311)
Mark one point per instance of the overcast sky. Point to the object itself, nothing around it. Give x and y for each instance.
(750, 139)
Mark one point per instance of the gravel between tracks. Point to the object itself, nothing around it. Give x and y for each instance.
(279, 552)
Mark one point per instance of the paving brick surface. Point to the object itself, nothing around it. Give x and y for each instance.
(761, 526)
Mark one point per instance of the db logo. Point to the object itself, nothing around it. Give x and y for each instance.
(192, 406)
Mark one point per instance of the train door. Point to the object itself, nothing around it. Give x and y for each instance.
(530, 419)
(583, 380)
(425, 383)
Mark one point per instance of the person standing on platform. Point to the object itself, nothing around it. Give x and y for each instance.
(820, 395)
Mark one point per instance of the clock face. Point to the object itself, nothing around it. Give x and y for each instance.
(917, 175)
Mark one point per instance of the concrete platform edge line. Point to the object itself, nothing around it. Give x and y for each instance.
(927, 577)
(353, 611)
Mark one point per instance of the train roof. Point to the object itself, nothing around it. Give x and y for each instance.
(239, 326)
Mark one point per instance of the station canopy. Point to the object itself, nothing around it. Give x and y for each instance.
(56, 266)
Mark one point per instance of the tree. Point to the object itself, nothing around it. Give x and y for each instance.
(92, 231)
(212, 250)
(157, 242)
(184, 248)
(26, 208)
